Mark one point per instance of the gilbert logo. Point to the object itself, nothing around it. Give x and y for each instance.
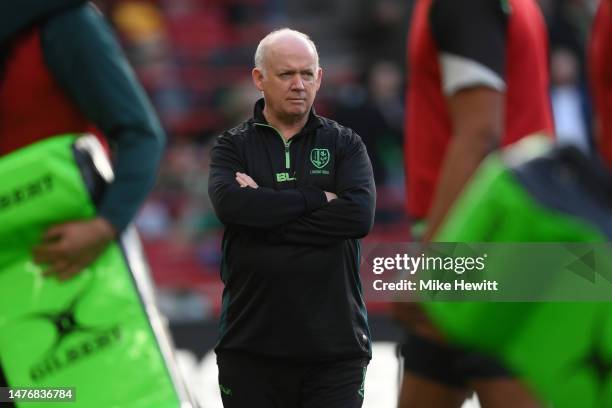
(74, 342)
(20, 194)
(319, 157)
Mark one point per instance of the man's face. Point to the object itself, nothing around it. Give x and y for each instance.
(290, 78)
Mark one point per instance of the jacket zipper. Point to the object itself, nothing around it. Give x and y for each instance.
(285, 143)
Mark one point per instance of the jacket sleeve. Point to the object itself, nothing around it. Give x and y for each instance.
(350, 216)
(85, 58)
(262, 208)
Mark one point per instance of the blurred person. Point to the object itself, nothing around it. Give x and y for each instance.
(568, 24)
(373, 28)
(55, 81)
(478, 80)
(62, 71)
(295, 191)
(385, 82)
(569, 101)
(560, 194)
(600, 73)
(376, 113)
(237, 102)
(153, 220)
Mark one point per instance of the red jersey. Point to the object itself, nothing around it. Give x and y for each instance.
(32, 104)
(454, 45)
(600, 70)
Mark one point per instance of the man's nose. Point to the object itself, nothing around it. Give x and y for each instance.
(297, 83)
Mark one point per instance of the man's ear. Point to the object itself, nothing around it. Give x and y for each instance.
(258, 78)
(319, 77)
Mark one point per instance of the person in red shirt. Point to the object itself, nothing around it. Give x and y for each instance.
(63, 71)
(478, 81)
(600, 72)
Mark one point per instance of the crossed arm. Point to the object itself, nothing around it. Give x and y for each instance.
(255, 207)
(350, 216)
(288, 216)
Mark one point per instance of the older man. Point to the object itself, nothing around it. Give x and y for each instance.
(295, 192)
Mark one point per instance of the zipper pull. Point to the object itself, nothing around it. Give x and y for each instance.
(287, 156)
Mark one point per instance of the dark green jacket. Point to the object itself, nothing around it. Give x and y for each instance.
(290, 259)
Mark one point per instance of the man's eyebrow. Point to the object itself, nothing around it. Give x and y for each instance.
(286, 69)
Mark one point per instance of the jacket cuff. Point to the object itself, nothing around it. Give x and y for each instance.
(313, 197)
(118, 221)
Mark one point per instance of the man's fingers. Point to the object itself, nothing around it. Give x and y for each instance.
(330, 196)
(47, 252)
(240, 179)
(240, 182)
(69, 248)
(53, 233)
(250, 182)
(56, 268)
(68, 272)
(245, 180)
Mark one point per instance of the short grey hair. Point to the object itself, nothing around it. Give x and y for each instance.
(263, 44)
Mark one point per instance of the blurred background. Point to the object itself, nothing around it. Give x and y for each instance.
(194, 58)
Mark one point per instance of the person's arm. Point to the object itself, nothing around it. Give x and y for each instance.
(253, 206)
(470, 35)
(471, 38)
(477, 119)
(17, 14)
(350, 216)
(84, 57)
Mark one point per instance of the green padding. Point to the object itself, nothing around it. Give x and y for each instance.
(496, 208)
(564, 350)
(91, 332)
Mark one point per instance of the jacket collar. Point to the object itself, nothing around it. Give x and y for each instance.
(313, 122)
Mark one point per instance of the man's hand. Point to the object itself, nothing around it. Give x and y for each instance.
(330, 196)
(245, 180)
(68, 248)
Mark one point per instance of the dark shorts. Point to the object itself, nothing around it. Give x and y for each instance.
(250, 381)
(447, 364)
